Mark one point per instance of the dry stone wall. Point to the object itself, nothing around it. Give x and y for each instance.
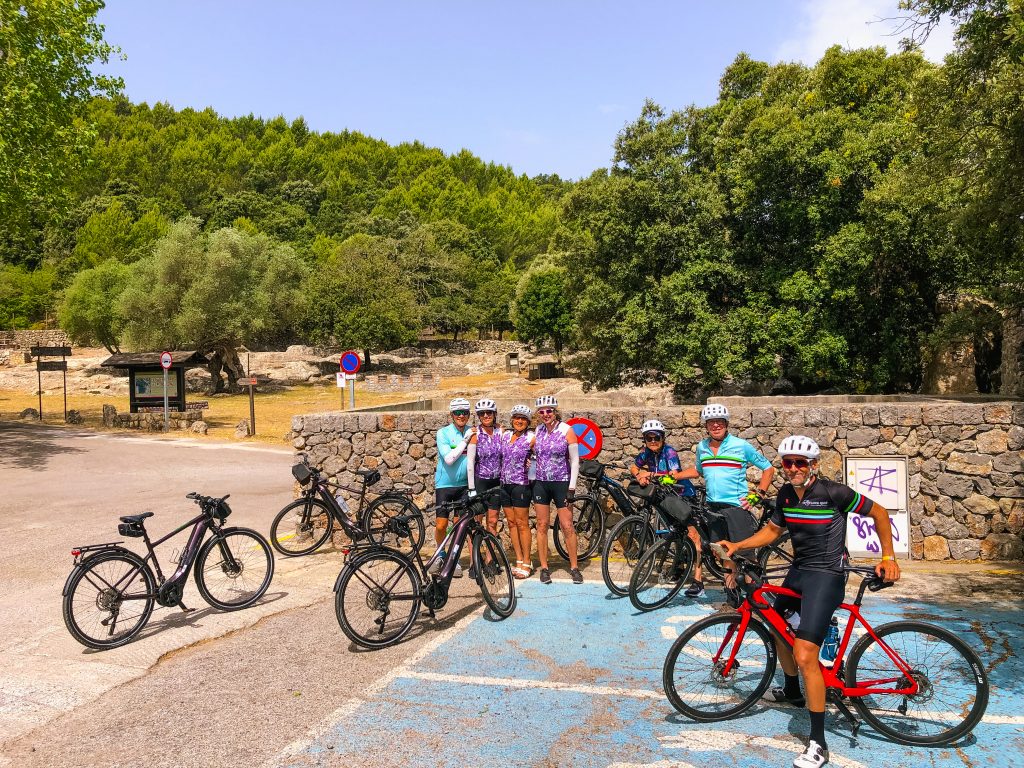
(965, 460)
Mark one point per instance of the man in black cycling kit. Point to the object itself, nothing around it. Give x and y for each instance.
(814, 511)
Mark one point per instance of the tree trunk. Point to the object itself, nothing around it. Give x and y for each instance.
(366, 358)
(225, 358)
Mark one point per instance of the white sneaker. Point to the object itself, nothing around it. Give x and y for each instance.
(458, 572)
(814, 756)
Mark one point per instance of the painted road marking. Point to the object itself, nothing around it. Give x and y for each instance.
(578, 673)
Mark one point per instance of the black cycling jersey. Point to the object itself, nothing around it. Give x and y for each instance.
(817, 522)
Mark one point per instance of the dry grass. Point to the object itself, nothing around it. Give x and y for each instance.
(274, 411)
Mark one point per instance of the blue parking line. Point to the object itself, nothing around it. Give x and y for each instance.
(573, 678)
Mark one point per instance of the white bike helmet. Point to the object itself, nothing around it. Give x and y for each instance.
(713, 411)
(459, 404)
(547, 401)
(521, 410)
(652, 425)
(799, 445)
(486, 405)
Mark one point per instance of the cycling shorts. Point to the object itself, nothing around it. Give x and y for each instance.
(515, 495)
(485, 484)
(445, 496)
(548, 491)
(821, 593)
(730, 522)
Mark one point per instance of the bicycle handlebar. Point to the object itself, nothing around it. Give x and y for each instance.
(206, 501)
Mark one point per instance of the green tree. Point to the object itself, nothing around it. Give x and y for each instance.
(212, 293)
(359, 297)
(25, 295)
(542, 310)
(47, 50)
(88, 311)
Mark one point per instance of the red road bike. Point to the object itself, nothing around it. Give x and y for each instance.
(914, 682)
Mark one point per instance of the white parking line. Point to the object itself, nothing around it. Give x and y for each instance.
(513, 682)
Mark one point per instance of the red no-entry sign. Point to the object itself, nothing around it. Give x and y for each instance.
(165, 360)
(588, 434)
(350, 362)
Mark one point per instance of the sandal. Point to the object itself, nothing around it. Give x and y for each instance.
(519, 571)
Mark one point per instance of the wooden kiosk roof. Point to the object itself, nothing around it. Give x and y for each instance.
(180, 359)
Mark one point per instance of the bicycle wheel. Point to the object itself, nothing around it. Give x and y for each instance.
(234, 569)
(627, 541)
(494, 575)
(377, 598)
(714, 672)
(952, 684)
(383, 529)
(776, 559)
(661, 572)
(301, 527)
(109, 598)
(588, 520)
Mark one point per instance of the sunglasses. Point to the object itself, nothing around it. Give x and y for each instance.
(545, 411)
(481, 414)
(652, 438)
(795, 463)
(460, 413)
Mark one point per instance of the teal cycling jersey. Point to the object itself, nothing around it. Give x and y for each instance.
(725, 471)
(453, 475)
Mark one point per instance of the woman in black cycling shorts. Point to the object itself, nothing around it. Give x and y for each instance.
(558, 466)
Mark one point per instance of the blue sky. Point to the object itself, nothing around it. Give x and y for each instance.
(543, 87)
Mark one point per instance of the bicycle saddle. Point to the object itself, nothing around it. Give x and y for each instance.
(136, 518)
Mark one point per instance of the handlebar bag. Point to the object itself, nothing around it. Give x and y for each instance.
(301, 473)
(676, 508)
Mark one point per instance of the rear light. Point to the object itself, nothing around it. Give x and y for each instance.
(76, 552)
(345, 550)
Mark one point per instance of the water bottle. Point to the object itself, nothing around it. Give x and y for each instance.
(830, 645)
(341, 502)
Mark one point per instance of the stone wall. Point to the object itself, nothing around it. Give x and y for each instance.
(25, 340)
(149, 422)
(965, 460)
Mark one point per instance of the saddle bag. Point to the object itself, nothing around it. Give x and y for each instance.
(676, 508)
(130, 530)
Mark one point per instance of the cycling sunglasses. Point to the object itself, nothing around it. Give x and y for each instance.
(460, 413)
(652, 437)
(545, 411)
(795, 463)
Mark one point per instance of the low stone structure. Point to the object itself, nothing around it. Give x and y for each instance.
(965, 460)
(23, 341)
(150, 421)
(390, 382)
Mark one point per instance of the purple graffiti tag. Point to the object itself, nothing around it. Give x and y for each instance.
(866, 531)
(874, 483)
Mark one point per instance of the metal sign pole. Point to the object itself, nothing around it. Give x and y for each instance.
(167, 416)
(252, 411)
(39, 380)
(352, 393)
(65, 374)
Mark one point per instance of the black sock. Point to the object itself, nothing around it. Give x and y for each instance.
(818, 728)
(791, 690)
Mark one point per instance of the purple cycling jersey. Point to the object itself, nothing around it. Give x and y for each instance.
(488, 455)
(552, 451)
(515, 459)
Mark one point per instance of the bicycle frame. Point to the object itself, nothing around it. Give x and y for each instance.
(755, 603)
(323, 489)
(451, 545)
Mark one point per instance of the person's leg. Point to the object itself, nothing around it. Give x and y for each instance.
(511, 521)
(522, 531)
(695, 538)
(543, 514)
(568, 534)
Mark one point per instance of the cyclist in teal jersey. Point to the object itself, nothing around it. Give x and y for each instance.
(451, 480)
(722, 460)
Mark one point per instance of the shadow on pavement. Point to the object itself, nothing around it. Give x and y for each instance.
(30, 446)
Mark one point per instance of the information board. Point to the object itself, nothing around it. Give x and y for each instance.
(883, 479)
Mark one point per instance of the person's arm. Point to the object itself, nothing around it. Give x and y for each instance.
(471, 463)
(764, 486)
(638, 469)
(767, 535)
(453, 455)
(574, 459)
(888, 569)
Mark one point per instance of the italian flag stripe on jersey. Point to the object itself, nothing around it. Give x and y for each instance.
(858, 505)
(798, 515)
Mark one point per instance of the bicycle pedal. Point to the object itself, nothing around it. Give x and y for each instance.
(185, 608)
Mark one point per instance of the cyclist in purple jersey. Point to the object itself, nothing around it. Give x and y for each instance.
(558, 466)
(483, 455)
(516, 449)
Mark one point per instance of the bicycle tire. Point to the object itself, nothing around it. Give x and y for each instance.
(494, 575)
(94, 595)
(661, 572)
(381, 531)
(776, 559)
(239, 572)
(626, 542)
(367, 588)
(693, 679)
(952, 662)
(301, 527)
(588, 520)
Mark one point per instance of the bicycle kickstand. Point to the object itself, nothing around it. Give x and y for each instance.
(185, 608)
(851, 718)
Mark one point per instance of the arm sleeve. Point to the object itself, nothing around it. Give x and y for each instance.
(453, 455)
(471, 465)
(574, 464)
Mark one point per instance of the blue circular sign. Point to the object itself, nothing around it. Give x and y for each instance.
(350, 362)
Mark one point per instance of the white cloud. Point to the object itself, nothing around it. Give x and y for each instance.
(855, 24)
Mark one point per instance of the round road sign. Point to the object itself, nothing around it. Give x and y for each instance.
(350, 362)
(165, 360)
(589, 436)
